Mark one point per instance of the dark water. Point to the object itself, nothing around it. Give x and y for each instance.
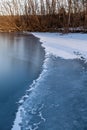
(59, 98)
(21, 59)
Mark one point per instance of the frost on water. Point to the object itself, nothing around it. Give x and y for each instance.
(58, 99)
(32, 104)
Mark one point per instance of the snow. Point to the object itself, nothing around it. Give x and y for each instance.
(69, 46)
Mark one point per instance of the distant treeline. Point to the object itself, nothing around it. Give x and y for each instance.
(44, 15)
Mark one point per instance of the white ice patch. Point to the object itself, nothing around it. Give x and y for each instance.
(18, 120)
(64, 45)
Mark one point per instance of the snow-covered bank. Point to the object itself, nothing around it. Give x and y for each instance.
(66, 46)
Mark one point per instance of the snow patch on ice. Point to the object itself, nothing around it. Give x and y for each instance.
(18, 120)
(65, 46)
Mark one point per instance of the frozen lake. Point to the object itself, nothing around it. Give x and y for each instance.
(59, 98)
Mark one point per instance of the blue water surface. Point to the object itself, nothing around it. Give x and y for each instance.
(21, 59)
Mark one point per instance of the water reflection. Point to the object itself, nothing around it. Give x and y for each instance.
(21, 59)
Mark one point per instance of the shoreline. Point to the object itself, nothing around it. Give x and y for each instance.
(49, 30)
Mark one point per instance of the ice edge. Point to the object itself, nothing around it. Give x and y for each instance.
(52, 42)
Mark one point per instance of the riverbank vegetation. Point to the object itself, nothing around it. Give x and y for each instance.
(43, 15)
